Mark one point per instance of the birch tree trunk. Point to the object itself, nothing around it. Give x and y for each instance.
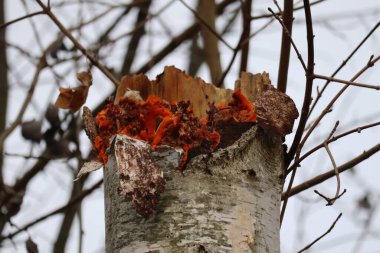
(228, 201)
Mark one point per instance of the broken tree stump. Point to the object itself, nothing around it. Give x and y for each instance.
(224, 201)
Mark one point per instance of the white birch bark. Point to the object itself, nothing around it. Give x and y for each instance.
(226, 202)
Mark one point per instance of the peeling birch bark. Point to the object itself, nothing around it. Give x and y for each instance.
(228, 201)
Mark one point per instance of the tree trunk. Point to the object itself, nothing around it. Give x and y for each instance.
(228, 201)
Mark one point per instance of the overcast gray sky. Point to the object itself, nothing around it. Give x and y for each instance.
(339, 25)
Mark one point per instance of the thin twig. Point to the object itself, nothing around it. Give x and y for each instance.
(331, 103)
(323, 113)
(285, 29)
(330, 201)
(323, 177)
(178, 40)
(334, 138)
(206, 24)
(76, 43)
(2, 26)
(73, 201)
(319, 238)
(40, 157)
(40, 66)
(278, 13)
(136, 38)
(237, 48)
(332, 79)
(320, 93)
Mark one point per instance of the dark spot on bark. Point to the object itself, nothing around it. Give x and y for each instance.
(252, 173)
(202, 249)
(124, 177)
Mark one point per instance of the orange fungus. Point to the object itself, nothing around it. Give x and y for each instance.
(161, 123)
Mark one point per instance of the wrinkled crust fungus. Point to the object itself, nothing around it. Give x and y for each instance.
(159, 122)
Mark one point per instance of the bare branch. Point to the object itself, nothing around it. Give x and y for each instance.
(241, 43)
(319, 238)
(136, 38)
(279, 13)
(206, 12)
(76, 43)
(332, 139)
(246, 7)
(41, 65)
(323, 177)
(297, 146)
(178, 40)
(211, 29)
(285, 29)
(330, 201)
(331, 79)
(320, 93)
(72, 202)
(331, 103)
(2, 26)
(287, 17)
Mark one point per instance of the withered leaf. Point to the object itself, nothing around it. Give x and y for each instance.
(88, 167)
(276, 111)
(74, 98)
(141, 180)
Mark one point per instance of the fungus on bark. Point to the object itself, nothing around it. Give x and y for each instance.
(208, 119)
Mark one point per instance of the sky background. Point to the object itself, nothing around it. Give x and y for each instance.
(339, 25)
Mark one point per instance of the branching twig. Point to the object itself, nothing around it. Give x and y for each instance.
(241, 43)
(319, 95)
(278, 13)
(76, 43)
(323, 177)
(370, 64)
(74, 201)
(330, 201)
(41, 65)
(332, 139)
(206, 25)
(331, 103)
(136, 38)
(319, 238)
(178, 40)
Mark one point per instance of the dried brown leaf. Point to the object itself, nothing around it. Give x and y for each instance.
(74, 98)
(88, 167)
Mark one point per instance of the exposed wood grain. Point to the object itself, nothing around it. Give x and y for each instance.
(175, 85)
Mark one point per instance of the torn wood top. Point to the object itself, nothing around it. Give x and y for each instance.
(174, 85)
